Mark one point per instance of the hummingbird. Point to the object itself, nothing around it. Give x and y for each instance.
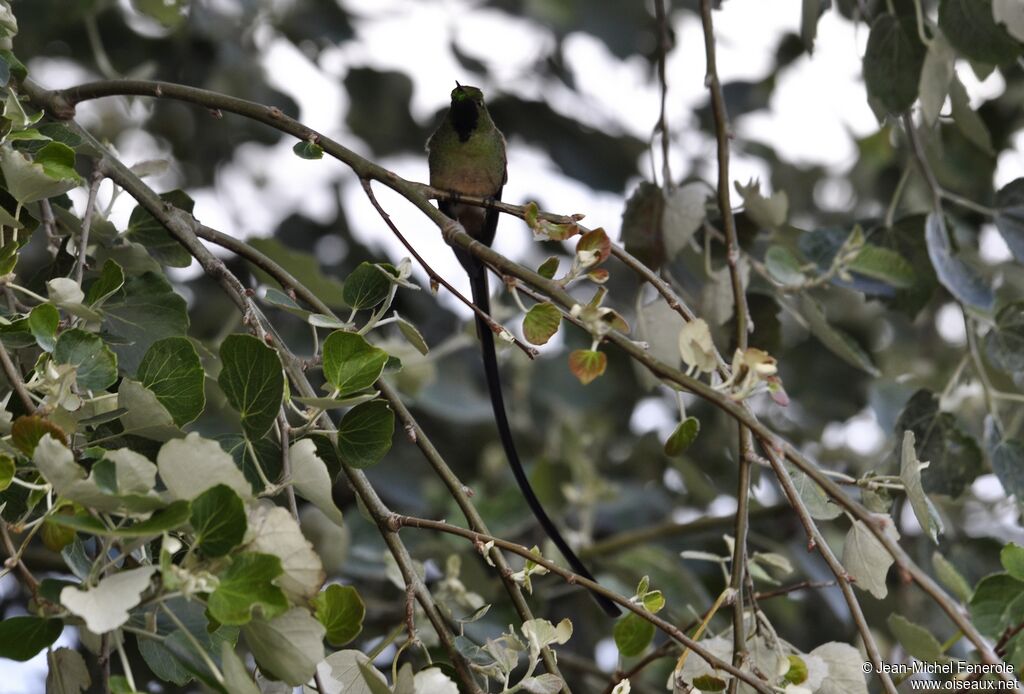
(466, 155)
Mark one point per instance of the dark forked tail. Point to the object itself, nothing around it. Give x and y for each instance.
(481, 297)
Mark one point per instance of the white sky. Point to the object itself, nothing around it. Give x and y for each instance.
(817, 109)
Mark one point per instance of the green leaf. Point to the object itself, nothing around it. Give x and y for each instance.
(936, 76)
(341, 611)
(273, 530)
(288, 647)
(246, 585)
(910, 474)
(21, 638)
(683, 436)
(954, 458)
(301, 265)
(366, 286)
(893, 61)
(95, 363)
(1008, 464)
(275, 297)
(836, 340)
(144, 229)
(884, 264)
(171, 518)
(797, 671)
(143, 311)
(770, 212)
(951, 578)
(587, 364)
(172, 371)
(866, 559)
(642, 224)
(1004, 343)
(106, 606)
(311, 478)
(633, 634)
(810, 12)
(364, 434)
(962, 281)
(43, 321)
(252, 380)
(110, 280)
(412, 335)
(236, 675)
(170, 13)
(685, 212)
(66, 672)
(7, 469)
(308, 150)
(918, 641)
(783, 266)
(175, 658)
(49, 174)
(143, 414)
(1012, 559)
(967, 119)
(548, 268)
(992, 605)
(191, 465)
(218, 520)
(971, 27)
(541, 323)
(350, 362)
(16, 67)
(1009, 216)
(709, 683)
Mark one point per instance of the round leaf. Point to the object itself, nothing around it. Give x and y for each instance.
(218, 520)
(252, 380)
(341, 611)
(364, 435)
(541, 323)
(95, 364)
(587, 364)
(350, 362)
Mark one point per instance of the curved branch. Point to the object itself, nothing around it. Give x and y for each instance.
(480, 540)
(61, 103)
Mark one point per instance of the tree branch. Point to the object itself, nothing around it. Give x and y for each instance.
(480, 540)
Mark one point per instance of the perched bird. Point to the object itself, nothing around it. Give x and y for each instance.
(466, 155)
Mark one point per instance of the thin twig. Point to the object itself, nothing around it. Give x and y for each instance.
(62, 103)
(284, 431)
(480, 540)
(496, 328)
(662, 19)
(15, 380)
(632, 538)
(83, 242)
(722, 134)
(182, 228)
(459, 493)
(31, 582)
(837, 569)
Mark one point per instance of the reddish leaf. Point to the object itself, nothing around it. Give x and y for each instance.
(27, 430)
(587, 364)
(596, 241)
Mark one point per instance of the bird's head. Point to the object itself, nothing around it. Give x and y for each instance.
(465, 93)
(467, 111)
